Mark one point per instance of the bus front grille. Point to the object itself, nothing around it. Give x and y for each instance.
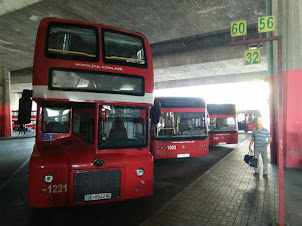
(96, 182)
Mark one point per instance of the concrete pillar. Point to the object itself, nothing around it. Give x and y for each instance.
(5, 110)
(14, 101)
(289, 25)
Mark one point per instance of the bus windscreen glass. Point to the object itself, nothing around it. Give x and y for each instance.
(252, 118)
(122, 127)
(180, 125)
(93, 81)
(222, 124)
(124, 48)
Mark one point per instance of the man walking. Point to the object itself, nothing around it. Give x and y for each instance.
(261, 139)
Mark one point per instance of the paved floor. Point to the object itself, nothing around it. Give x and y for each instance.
(17, 135)
(229, 194)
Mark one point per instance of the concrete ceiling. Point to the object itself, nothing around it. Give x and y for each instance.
(172, 27)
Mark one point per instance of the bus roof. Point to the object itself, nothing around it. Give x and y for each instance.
(249, 112)
(221, 109)
(181, 102)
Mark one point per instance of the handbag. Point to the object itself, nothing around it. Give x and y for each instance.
(251, 160)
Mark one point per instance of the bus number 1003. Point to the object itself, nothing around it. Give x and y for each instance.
(171, 147)
(57, 188)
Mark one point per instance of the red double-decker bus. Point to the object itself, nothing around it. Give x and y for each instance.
(182, 128)
(93, 85)
(223, 125)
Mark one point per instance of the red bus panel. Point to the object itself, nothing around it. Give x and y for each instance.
(223, 138)
(250, 127)
(180, 149)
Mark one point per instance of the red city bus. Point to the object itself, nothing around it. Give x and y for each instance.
(247, 119)
(251, 119)
(93, 85)
(182, 128)
(223, 125)
(30, 126)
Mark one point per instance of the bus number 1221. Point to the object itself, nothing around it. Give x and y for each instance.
(57, 188)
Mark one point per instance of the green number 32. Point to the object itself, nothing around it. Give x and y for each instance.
(252, 58)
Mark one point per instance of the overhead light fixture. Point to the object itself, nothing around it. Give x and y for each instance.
(255, 47)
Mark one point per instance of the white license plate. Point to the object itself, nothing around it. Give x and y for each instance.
(100, 196)
(221, 143)
(183, 155)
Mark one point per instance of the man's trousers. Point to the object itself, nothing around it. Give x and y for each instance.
(263, 152)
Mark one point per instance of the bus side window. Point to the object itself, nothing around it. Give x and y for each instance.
(55, 120)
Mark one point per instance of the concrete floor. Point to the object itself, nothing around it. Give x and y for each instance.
(171, 176)
(229, 194)
(213, 187)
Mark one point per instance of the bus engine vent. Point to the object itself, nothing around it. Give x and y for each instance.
(96, 182)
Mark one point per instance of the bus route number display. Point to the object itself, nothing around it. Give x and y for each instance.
(238, 28)
(266, 24)
(252, 56)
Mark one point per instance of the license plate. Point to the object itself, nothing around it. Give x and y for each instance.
(183, 155)
(100, 196)
(221, 143)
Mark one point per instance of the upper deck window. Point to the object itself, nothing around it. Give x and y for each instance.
(123, 49)
(67, 41)
(98, 82)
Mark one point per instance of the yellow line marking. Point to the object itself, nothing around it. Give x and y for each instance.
(72, 52)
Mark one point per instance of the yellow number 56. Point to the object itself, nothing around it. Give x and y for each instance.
(266, 24)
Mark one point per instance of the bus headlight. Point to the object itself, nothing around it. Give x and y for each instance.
(140, 172)
(48, 178)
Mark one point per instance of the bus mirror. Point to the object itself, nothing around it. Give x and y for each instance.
(155, 112)
(25, 102)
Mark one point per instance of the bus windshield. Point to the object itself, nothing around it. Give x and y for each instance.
(122, 127)
(180, 125)
(55, 120)
(222, 124)
(252, 118)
